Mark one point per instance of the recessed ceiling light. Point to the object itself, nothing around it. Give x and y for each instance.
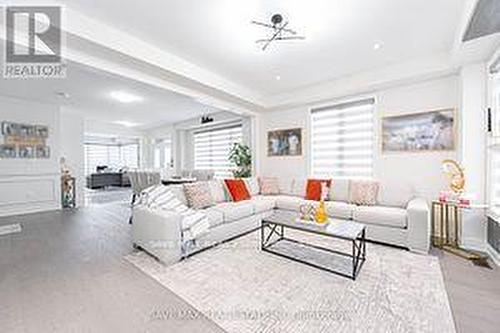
(278, 77)
(377, 46)
(126, 123)
(125, 97)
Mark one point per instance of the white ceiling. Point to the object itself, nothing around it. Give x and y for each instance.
(217, 35)
(89, 91)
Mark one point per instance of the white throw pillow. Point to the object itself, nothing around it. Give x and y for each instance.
(339, 190)
(299, 187)
(217, 190)
(252, 185)
(178, 191)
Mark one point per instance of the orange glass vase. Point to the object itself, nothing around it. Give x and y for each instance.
(321, 215)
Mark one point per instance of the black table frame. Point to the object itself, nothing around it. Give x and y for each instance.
(358, 254)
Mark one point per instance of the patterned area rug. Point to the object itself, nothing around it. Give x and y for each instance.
(246, 290)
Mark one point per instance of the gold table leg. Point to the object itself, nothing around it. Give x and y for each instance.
(454, 246)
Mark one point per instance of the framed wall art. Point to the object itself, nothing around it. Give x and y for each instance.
(18, 140)
(425, 131)
(286, 142)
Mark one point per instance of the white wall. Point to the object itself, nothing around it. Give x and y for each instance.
(473, 93)
(30, 185)
(71, 145)
(421, 171)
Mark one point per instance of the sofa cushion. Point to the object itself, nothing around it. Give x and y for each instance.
(381, 215)
(217, 190)
(215, 217)
(395, 195)
(269, 185)
(263, 203)
(339, 190)
(233, 211)
(238, 189)
(299, 187)
(252, 185)
(287, 202)
(198, 195)
(178, 191)
(316, 187)
(363, 192)
(338, 209)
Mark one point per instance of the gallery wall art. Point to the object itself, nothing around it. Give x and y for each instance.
(425, 131)
(286, 142)
(23, 141)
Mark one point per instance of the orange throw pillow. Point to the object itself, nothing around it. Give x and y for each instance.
(313, 189)
(238, 189)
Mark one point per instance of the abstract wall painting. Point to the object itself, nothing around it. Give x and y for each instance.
(426, 131)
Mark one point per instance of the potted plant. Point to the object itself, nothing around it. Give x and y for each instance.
(241, 156)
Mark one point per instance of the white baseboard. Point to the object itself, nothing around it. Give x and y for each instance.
(494, 255)
(474, 244)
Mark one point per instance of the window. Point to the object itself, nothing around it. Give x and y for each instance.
(163, 154)
(211, 149)
(342, 140)
(113, 155)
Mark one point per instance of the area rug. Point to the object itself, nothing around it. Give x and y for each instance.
(243, 289)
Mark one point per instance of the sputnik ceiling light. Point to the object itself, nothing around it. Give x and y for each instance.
(279, 31)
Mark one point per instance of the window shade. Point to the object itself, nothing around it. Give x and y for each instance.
(113, 156)
(211, 149)
(342, 140)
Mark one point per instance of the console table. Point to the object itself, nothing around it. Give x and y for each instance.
(447, 229)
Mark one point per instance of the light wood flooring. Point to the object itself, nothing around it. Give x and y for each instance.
(65, 273)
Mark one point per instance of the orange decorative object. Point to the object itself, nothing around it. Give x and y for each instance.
(238, 189)
(321, 215)
(314, 188)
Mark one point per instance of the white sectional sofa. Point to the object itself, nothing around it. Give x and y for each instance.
(398, 219)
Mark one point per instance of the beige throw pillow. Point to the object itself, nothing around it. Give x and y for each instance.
(363, 192)
(269, 185)
(198, 195)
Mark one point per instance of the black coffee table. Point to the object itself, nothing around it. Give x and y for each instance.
(273, 232)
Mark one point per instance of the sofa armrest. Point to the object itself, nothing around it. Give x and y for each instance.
(158, 232)
(419, 225)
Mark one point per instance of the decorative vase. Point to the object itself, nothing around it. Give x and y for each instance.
(321, 215)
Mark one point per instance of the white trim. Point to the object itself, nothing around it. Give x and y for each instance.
(493, 254)
(474, 244)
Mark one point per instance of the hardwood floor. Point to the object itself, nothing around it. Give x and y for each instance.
(474, 294)
(65, 272)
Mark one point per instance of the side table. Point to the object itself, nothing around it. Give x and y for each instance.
(447, 229)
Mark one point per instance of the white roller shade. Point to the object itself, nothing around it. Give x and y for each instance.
(342, 140)
(211, 149)
(115, 156)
